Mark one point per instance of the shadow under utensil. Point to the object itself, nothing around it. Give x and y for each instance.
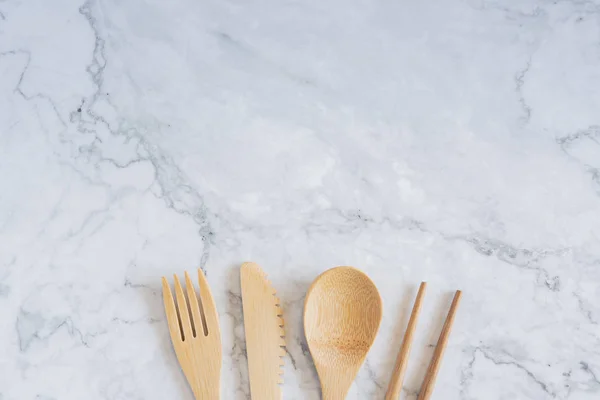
(297, 349)
(405, 309)
(238, 354)
(422, 363)
(153, 297)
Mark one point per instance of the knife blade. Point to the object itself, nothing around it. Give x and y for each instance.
(263, 325)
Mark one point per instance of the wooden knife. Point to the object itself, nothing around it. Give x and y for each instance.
(265, 341)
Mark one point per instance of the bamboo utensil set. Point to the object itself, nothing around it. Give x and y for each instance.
(342, 313)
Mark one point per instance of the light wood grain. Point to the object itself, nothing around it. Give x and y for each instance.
(402, 361)
(434, 366)
(263, 324)
(195, 334)
(342, 313)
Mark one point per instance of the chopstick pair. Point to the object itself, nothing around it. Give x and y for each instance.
(401, 362)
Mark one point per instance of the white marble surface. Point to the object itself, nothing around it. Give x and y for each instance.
(456, 142)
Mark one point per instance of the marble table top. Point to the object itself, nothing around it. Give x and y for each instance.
(453, 142)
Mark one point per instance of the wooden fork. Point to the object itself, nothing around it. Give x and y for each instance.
(196, 336)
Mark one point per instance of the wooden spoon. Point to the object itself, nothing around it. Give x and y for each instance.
(342, 313)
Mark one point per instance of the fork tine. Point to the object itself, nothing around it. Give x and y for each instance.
(171, 312)
(184, 314)
(193, 299)
(208, 305)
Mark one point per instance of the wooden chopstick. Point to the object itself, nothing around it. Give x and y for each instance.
(434, 366)
(398, 375)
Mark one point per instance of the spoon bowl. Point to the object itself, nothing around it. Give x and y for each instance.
(342, 312)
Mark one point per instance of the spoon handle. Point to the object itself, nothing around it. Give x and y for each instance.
(334, 392)
(434, 366)
(398, 375)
